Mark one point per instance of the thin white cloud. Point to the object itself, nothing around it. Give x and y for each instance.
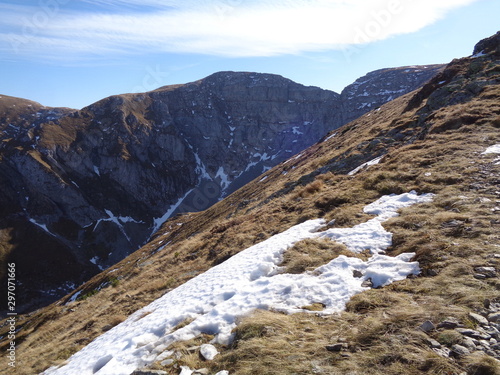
(221, 27)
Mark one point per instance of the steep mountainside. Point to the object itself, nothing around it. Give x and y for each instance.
(436, 140)
(381, 86)
(80, 190)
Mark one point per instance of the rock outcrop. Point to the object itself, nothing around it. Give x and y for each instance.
(381, 86)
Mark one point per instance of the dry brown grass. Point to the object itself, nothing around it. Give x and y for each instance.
(309, 254)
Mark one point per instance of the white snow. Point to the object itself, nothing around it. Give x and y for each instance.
(479, 54)
(495, 149)
(208, 351)
(296, 131)
(74, 297)
(367, 164)
(200, 169)
(330, 137)
(160, 220)
(224, 179)
(249, 280)
(44, 227)
(96, 171)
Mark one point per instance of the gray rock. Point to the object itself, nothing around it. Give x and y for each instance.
(479, 276)
(434, 344)
(449, 323)
(427, 326)
(472, 333)
(357, 273)
(495, 317)
(469, 343)
(486, 271)
(367, 283)
(443, 351)
(479, 319)
(459, 350)
(387, 83)
(336, 347)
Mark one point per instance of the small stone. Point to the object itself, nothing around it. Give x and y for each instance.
(459, 350)
(208, 351)
(479, 276)
(443, 352)
(469, 343)
(345, 355)
(357, 273)
(367, 283)
(336, 347)
(432, 272)
(149, 372)
(495, 317)
(434, 344)
(201, 371)
(487, 271)
(427, 326)
(472, 333)
(478, 318)
(449, 323)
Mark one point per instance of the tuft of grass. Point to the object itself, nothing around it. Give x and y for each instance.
(308, 254)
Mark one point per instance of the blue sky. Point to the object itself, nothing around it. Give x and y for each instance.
(74, 52)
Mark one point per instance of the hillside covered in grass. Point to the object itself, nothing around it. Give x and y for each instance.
(439, 139)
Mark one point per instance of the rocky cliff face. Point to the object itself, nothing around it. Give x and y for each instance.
(381, 86)
(82, 189)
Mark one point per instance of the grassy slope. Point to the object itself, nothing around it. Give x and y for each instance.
(432, 144)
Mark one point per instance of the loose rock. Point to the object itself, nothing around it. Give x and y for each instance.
(427, 326)
(449, 323)
(459, 350)
(336, 347)
(486, 271)
(478, 318)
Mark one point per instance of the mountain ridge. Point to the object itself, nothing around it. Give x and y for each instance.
(100, 181)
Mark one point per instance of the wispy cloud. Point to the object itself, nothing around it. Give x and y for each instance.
(213, 27)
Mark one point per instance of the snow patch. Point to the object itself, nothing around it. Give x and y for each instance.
(158, 222)
(367, 164)
(495, 149)
(248, 280)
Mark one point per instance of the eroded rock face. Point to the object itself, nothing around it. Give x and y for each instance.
(80, 190)
(381, 86)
